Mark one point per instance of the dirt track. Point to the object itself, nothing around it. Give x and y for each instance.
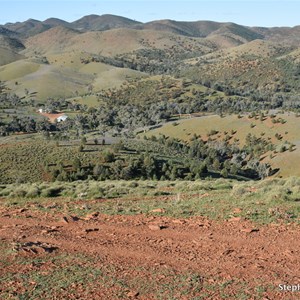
(232, 250)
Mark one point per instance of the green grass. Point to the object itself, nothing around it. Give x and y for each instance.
(26, 162)
(285, 161)
(90, 101)
(268, 201)
(7, 56)
(59, 275)
(63, 77)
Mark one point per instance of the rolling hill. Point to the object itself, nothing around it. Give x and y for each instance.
(104, 22)
(102, 50)
(27, 28)
(52, 40)
(11, 43)
(202, 29)
(7, 56)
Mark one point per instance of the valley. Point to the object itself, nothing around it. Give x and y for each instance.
(154, 160)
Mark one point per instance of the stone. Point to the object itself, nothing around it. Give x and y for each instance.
(91, 230)
(132, 294)
(158, 210)
(235, 219)
(249, 230)
(154, 227)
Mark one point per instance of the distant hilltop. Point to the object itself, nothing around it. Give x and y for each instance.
(32, 27)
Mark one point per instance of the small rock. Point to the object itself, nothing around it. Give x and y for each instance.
(91, 230)
(227, 252)
(155, 227)
(249, 230)
(235, 219)
(46, 231)
(180, 222)
(237, 210)
(203, 224)
(70, 219)
(65, 220)
(204, 195)
(74, 218)
(158, 210)
(91, 216)
(133, 294)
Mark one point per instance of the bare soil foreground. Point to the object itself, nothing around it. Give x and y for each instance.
(58, 256)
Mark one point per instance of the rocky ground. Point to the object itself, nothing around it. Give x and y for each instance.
(59, 256)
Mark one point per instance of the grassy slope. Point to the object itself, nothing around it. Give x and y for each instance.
(49, 81)
(263, 202)
(8, 56)
(111, 42)
(286, 161)
(63, 76)
(26, 161)
(18, 69)
(257, 65)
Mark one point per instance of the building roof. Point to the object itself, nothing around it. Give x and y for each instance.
(62, 118)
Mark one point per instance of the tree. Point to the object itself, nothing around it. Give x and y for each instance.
(224, 173)
(80, 148)
(76, 163)
(216, 164)
(233, 169)
(108, 156)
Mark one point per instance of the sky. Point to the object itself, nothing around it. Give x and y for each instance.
(266, 13)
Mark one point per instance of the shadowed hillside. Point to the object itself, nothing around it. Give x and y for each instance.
(28, 28)
(7, 56)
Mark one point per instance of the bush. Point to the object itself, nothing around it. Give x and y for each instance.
(33, 192)
(52, 192)
(18, 193)
(133, 184)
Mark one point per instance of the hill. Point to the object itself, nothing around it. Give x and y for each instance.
(193, 29)
(65, 76)
(287, 35)
(11, 43)
(103, 22)
(238, 129)
(27, 28)
(258, 66)
(56, 22)
(52, 40)
(236, 33)
(7, 56)
(110, 42)
(6, 32)
(231, 31)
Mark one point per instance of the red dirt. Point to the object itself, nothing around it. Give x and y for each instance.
(51, 117)
(219, 251)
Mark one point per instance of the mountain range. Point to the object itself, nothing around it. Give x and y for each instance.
(202, 29)
(53, 51)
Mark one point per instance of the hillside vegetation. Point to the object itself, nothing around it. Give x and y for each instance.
(153, 160)
(115, 78)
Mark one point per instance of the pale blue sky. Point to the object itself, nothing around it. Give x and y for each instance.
(246, 12)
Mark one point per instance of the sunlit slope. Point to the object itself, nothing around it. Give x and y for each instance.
(107, 43)
(286, 161)
(65, 76)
